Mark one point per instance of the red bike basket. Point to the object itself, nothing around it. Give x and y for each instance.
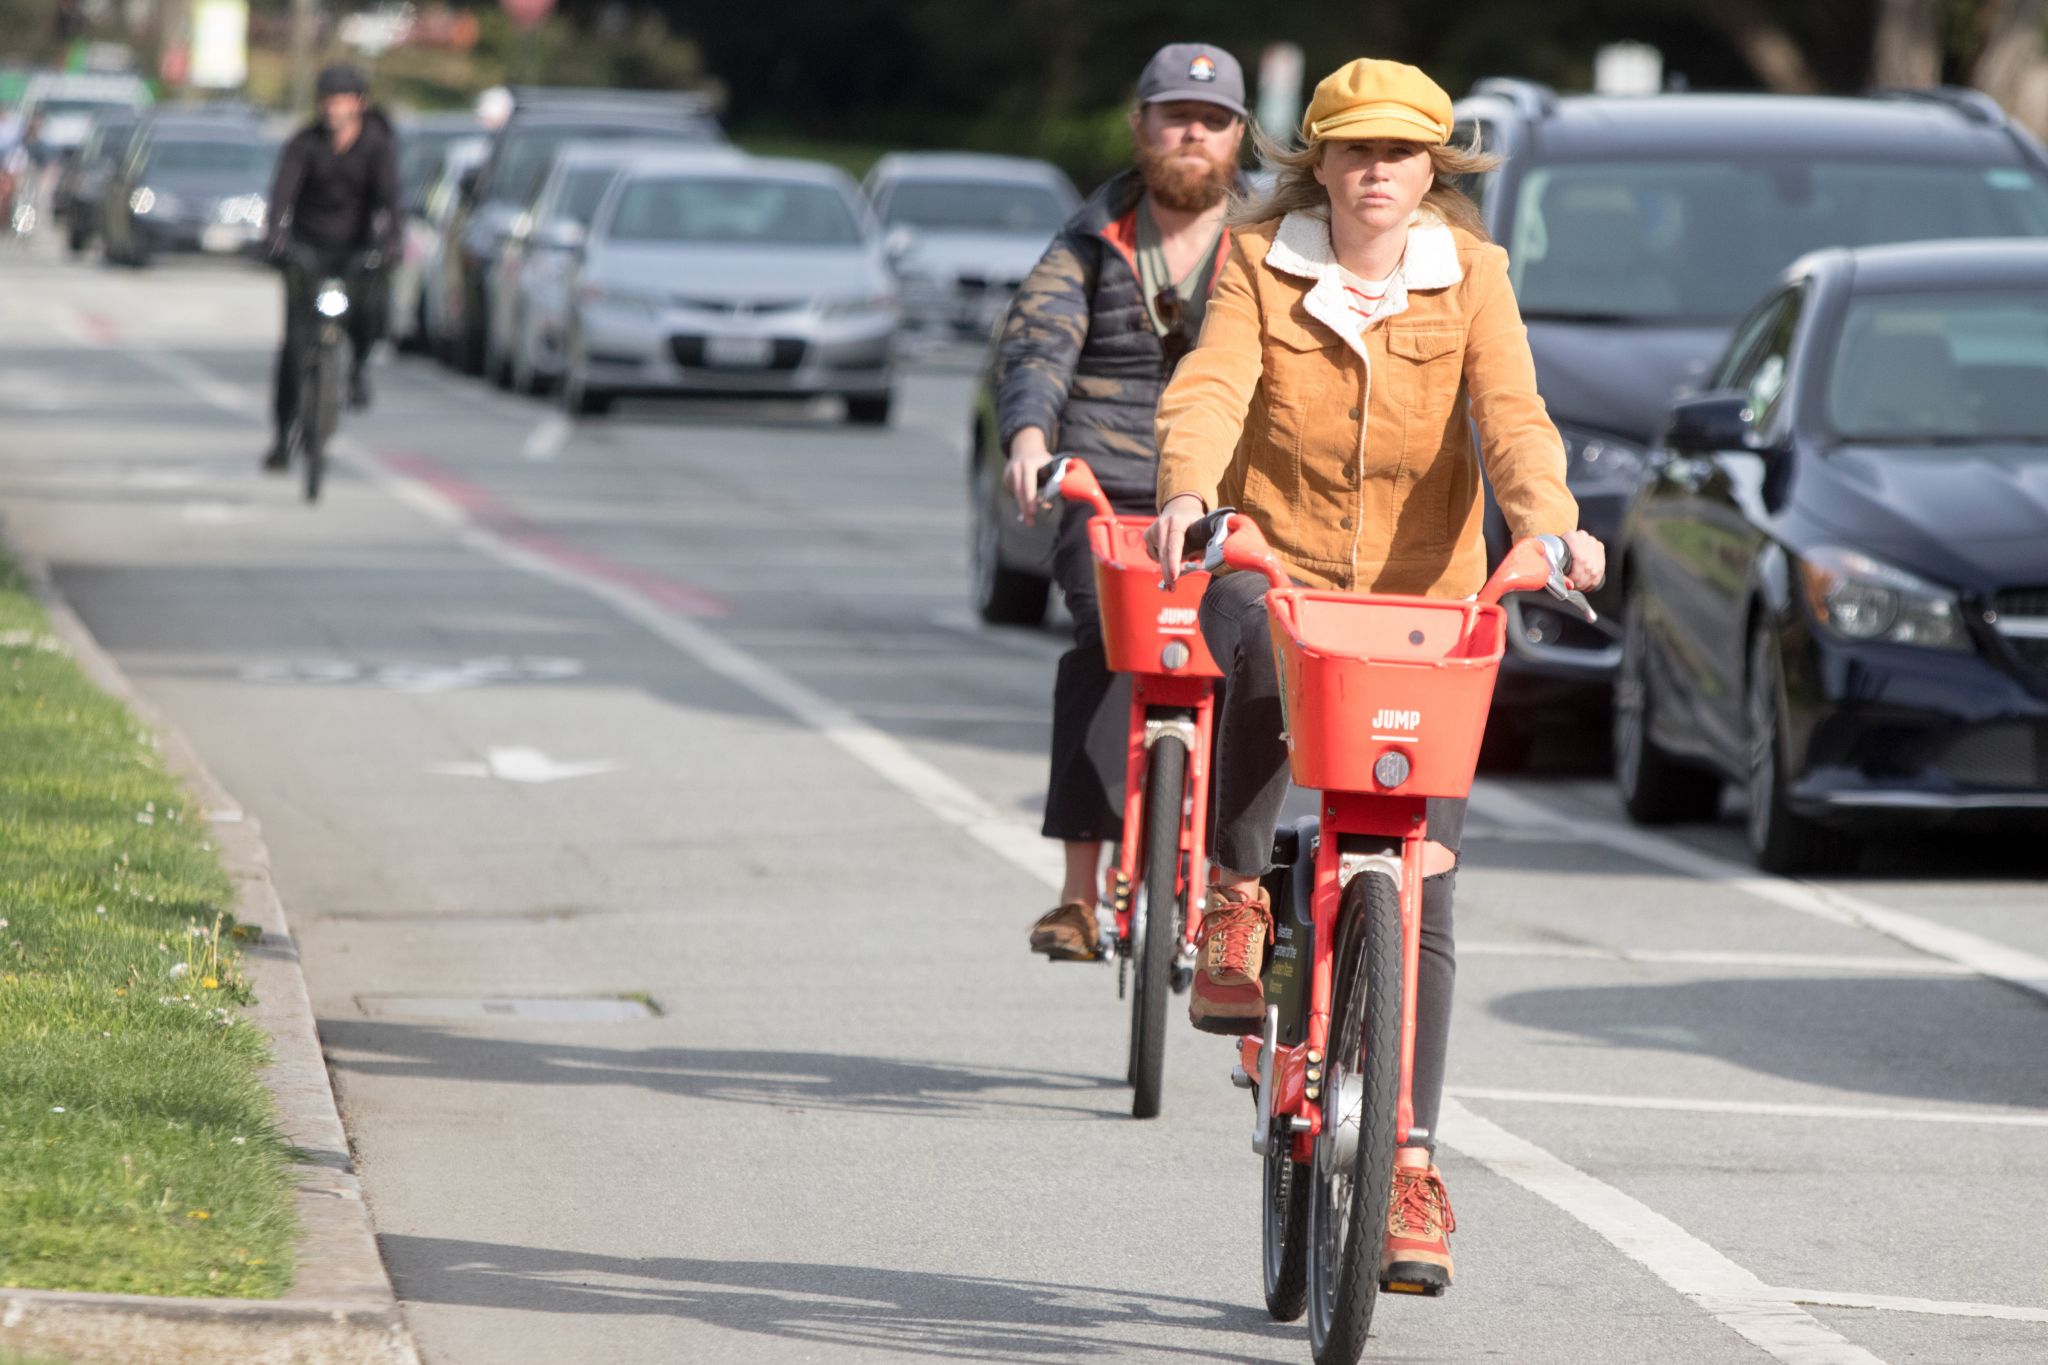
(1366, 677)
(1140, 623)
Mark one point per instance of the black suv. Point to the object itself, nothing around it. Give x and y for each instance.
(1640, 229)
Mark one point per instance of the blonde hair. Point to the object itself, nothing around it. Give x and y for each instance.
(1296, 189)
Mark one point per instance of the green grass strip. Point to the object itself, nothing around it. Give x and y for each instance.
(137, 1153)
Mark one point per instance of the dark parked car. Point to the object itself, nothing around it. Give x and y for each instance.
(82, 188)
(1640, 228)
(504, 186)
(189, 183)
(1835, 577)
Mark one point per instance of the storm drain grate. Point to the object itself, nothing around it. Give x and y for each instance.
(590, 1009)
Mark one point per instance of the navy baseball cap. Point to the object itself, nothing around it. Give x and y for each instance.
(1193, 71)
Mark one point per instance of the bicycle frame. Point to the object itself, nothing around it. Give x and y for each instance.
(1150, 634)
(1371, 829)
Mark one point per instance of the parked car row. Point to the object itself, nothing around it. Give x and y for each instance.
(144, 180)
(1830, 580)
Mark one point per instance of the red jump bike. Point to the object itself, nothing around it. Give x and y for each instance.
(1149, 632)
(1385, 702)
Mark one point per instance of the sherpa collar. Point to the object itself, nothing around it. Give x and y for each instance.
(1301, 247)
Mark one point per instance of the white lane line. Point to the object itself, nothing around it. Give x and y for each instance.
(1689, 957)
(546, 440)
(1897, 1303)
(1998, 961)
(1753, 1108)
(978, 715)
(1735, 1297)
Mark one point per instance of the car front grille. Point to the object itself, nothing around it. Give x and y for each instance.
(785, 353)
(740, 307)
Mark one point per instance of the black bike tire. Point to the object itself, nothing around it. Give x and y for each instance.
(317, 401)
(1158, 940)
(1284, 1232)
(1369, 959)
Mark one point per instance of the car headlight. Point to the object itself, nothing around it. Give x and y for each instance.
(1594, 457)
(1863, 599)
(242, 208)
(144, 201)
(859, 307)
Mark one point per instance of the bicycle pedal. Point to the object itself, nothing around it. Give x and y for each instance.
(1417, 1288)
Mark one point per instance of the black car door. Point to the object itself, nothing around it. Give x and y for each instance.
(1673, 557)
(1727, 517)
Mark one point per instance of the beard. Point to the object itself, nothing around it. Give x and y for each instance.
(1186, 180)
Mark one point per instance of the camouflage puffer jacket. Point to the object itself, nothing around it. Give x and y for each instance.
(1079, 359)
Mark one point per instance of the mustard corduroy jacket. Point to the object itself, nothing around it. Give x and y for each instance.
(1353, 452)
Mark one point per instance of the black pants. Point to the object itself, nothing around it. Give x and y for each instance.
(1251, 786)
(303, 272)
(1084, 794)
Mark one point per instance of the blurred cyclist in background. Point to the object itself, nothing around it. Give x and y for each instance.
(335, 199)
(1093, 334)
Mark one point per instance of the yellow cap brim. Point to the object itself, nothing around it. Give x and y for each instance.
(1380, 120)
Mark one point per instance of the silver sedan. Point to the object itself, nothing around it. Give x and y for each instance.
(767, 278)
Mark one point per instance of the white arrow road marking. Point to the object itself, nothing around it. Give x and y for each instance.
(546, 440)
(520, 764)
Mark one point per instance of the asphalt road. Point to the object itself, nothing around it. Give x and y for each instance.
(785, 841)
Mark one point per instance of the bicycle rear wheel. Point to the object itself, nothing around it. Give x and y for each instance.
(1284, 1232)
(1157, 921)
(1353, 1171)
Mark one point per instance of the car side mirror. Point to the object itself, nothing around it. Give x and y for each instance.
(1714, 421)
(562, 234)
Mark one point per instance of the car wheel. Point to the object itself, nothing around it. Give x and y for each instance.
(76, 237)
(1656, 788)
(1782, 840)
(1003, 596)
(869, 409)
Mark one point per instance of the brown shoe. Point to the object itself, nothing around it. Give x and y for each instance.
(1230, 954)
(1417, 1259)
(1067, 934)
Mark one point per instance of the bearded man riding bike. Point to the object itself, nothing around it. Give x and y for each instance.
(333, 202)
(1094, 331)
(1362, 329)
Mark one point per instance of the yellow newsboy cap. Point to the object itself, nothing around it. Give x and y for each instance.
(1366, 98)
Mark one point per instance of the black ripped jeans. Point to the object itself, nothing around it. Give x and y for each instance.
(1084, 793)
(1251, 785)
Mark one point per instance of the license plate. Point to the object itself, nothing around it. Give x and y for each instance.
(751, 353)
(220, 238)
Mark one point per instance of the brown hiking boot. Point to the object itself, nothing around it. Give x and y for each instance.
(1417, 1259)
(1230, 953)
(1067, 934)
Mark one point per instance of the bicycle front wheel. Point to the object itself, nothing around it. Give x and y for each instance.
(1157, 921)
(1353, 1170)
(320, 408)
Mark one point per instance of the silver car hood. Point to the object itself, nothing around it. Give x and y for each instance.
(991, 255)
(730, 274)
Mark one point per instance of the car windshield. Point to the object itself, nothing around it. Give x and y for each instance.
(210, 157)
(577, 199)
(1942, 368)
(1698, 240)
(526, 153)
(976, 206)
(736, 211)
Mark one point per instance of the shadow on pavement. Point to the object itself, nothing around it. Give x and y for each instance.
(913, 1312)
(784, 1080)
(1952, 1039)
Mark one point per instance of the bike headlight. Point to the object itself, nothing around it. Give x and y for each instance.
(243, 208)
(859, 307)
(1594, 457)
(1860, 598)
(1391, 769)
(331, 302)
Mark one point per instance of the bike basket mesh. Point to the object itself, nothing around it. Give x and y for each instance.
(1362, 677)
(1139, 620)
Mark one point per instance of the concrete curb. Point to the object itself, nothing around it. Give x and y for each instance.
(341, 1309)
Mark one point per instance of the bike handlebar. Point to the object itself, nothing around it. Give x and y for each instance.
(1069, 477)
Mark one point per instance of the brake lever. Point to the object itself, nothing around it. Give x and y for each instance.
(1560, 556)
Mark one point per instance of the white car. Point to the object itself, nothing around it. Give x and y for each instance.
(417, 278)
(761, 277)
(964, 229)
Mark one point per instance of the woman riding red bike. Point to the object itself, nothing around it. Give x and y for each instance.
(1362, 329)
